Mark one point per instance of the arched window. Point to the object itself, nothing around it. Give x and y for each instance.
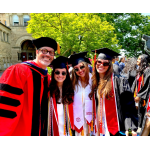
(25, 19)
(15, 20)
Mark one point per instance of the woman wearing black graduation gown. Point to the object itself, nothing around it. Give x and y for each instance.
(129, 70)
(141, 90)
(60, 114)
(115, 107)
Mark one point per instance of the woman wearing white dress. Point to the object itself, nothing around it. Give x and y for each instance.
(82, 105)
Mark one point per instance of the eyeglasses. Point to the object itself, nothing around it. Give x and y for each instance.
(77, 69)
(58, 72)
(98, 62)
(45, 51)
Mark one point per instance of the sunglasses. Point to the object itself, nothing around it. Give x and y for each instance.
(77, 69)
(45, 51)
(58, 72)
(98, 62)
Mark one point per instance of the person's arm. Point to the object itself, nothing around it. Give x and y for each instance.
(11, 98)
(145, 88)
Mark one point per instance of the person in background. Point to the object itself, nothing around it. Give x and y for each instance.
(82, 105)
(117, 60)
(60, 114)
(116, 69)
(121, 63)
(115, 107)
(113, 59)
(129, 71)
(24, 93)
(141, 90)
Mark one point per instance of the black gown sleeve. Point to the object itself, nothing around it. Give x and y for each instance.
(146, 87)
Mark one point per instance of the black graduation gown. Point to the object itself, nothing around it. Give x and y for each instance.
(144, 95)
(126, 110)
(131, 76)
(116, 70)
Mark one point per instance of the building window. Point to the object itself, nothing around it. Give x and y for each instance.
(7, 37)
(15, 20)
(4, 36)
(5, 22)
(26, 18)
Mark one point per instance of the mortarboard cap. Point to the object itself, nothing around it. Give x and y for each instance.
(59, 62)
(106, 53)
(76, 58)
(46, 41)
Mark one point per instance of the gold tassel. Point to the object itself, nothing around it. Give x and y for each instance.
(64, 121)
(142, 80)
(144, 103)
(70, 132)
(58, 48)
(64, 130)
(92, 125)
(82, 133)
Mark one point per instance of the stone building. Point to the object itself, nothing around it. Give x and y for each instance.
(15, 42)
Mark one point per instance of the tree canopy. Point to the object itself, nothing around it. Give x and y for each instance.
(129, 28)
(75, 32)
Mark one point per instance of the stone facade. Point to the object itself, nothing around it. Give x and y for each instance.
(13, 37)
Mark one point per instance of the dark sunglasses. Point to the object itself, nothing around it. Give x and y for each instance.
(58, 72)
(98, 62)
(45, 51)
(77, 69)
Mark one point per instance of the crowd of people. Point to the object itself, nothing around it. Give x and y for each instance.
(108, 98)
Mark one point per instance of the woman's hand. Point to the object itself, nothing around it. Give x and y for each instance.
(137, 99)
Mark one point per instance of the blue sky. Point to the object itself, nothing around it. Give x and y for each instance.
(146, 14)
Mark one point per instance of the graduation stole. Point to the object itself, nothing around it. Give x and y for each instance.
(140, 80)
(53, 118)
(79, 116)
(110, 112)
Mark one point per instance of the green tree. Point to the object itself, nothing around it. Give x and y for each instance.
(75, 32)
(129, 28)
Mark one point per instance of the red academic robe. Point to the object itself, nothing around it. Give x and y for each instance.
(24, 100)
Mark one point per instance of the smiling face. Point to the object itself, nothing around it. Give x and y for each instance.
(100, 66)
(139, 61)
(80, 70)
(43, 60)
(60, 75)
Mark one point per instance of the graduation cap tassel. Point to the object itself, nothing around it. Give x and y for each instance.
(94, 60)
(58, 48)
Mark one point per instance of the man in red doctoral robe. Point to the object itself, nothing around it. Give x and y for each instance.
(24, 93)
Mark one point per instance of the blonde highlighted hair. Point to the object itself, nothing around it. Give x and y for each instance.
(75, 77)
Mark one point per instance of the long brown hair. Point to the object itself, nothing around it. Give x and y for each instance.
(75, 77)
(103, 85)
(67, 89)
